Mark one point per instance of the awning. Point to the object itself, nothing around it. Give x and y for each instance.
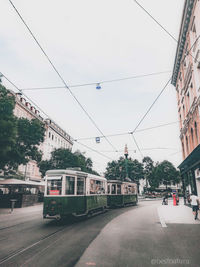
(193, 160)
(20, 182)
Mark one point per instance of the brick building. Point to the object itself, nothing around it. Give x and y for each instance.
(186, 79)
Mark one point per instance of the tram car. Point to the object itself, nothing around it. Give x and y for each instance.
(73, 192)
(120, 193)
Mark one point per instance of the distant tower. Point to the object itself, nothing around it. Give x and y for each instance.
(126, 151)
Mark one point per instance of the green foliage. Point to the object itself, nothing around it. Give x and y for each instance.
(8, 125)
(116, 170)
(166, 173)
(19, 138)
(156, 174)
(63, 158)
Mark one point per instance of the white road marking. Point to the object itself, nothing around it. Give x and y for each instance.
(162, 221)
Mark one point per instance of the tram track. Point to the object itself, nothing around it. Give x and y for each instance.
(22, 250)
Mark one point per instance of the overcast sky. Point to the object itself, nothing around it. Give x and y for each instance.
(92, 41)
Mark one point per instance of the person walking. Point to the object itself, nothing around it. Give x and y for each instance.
(194, 201)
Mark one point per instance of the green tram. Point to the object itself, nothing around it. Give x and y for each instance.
(73, 192)
(120, 193)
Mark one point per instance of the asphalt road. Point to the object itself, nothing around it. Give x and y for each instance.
(32, 241)
(133, 236)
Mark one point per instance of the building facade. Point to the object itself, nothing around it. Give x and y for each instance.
(186, 79)
(55, 137)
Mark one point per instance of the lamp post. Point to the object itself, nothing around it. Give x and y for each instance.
(126, 160)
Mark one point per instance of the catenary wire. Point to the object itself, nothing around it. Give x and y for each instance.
(94, 83)
(49, 117)
(126, 133)
(137, 145)
(59, 75)
(143, 117)
(94, 150)
(157, 22)
(26, 96)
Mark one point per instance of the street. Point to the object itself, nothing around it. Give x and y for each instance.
(143, 235)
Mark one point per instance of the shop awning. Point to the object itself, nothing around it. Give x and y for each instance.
(192, 161)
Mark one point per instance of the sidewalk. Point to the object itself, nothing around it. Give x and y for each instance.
(24, 210)
(176, 214)
(19, 215)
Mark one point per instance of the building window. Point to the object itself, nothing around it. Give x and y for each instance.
(52, 136)
(183, 112)
(183, 149)
(187, 148)
(196, 132)
(49, 134)
(192, 137)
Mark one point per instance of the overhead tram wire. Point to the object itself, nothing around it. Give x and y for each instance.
(127, 133)
(94, 83)
(151, 106)
(137, 146)
(94, 150)
(50, 117)
(59, 75)
(26, 96)
(157, 22)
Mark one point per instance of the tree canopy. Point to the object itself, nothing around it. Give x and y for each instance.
(63, 158)
(116, 170)
(19, 137)
(154, 173)
(166, 173)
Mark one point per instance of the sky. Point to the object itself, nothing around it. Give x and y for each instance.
(92, 41)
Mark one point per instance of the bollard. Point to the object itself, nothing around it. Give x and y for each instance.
(12, 204)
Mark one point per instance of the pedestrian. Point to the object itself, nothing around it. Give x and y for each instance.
(165, 199)
(194, 201)
(177, 199)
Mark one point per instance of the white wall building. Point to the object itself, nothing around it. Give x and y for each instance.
(55, 137)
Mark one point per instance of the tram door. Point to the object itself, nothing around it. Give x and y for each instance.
(81, 192)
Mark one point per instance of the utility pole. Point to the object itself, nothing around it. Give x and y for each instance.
(126, 160)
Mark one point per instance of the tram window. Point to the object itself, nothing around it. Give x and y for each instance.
(119, 189)
(54, 187)
(97, 187)
(125, 189)
(69, 189)
(108, 189)
(80, 186)
(113, 192)
(133, 189)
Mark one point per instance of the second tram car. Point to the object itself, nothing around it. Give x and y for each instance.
(73, 192)
(120, 193)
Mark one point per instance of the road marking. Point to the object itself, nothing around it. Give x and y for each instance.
(162, 221)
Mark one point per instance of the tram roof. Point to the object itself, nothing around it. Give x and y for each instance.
(74, 172)
(121, 182)
(19, 182)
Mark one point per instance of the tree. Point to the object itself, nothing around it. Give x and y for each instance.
(19, 138)
(8, 125)
(63, 158)
(29, 135)
(166, 173)
(148, 166)
(116, 170)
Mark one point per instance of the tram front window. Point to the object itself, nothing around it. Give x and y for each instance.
(54, 187)
(80, 186)
(69, 188)
(119, 189)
